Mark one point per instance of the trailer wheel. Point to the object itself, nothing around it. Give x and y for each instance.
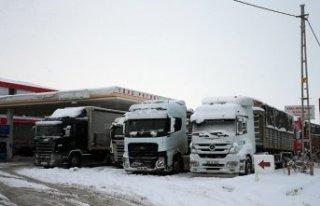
(248, 166)
(75, 160)
(177, 165)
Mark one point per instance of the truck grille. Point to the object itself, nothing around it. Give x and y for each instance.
(143, 154)
(217, 150)
(44, 150)
(213, 155)
(119, 150)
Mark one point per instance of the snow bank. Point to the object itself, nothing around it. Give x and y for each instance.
(276, 189)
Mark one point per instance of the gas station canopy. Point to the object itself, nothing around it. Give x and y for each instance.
(43, 104)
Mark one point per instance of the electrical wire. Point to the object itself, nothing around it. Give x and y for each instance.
(267, 9)
(280, 12)
(314, 34)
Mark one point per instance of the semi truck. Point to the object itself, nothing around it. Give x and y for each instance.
(117, 141)
(74, 136)
(155, 137)
(228, 131)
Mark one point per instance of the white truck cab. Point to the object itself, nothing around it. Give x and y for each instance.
(155, 137)
(223, 138)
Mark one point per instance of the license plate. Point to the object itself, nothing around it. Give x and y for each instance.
(212, 162)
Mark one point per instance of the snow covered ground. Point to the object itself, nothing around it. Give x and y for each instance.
(5, 201)
(276, 189)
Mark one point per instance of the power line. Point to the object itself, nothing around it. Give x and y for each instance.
(284, 13)
(314, 34)
(267, 9)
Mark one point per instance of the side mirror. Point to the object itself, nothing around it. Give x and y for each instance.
(67, 131)
(172, 123)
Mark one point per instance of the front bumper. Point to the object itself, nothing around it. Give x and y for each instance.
(138, 166)
(50, 160)
(228, 165)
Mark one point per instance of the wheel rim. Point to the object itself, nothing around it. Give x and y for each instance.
(75, 161)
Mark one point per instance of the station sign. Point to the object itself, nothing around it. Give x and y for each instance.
(263, 163)
(296, 110)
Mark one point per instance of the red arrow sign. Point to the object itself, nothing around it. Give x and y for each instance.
(264, 164)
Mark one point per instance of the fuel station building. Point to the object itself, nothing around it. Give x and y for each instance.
(20, 102)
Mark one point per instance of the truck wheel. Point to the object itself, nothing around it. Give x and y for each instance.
(75, 161)
(108, 160)
(177, 165)
(248, 166)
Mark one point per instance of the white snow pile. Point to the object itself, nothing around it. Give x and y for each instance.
(276, 189)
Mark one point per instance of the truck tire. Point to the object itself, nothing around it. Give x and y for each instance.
(177, 165)
(108, 160)
(75, 160)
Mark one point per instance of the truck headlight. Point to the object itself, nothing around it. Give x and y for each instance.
(154, 133)
(194, 163)
(232, 164)
(160, 163)
(234, 149)
(193, 149)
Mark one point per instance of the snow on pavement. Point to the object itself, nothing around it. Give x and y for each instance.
(15, 181)
(276, 189)
(4, 201)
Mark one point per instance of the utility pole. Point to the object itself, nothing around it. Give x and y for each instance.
(306, 141)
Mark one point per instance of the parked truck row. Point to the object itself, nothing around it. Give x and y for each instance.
(219, 137)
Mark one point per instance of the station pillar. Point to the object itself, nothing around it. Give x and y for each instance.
(10, 137)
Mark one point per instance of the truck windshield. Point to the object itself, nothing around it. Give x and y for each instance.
(221, 127)
(147, 127)
(48, 130)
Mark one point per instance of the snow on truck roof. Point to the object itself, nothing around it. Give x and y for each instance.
(153, 109)
(46, 123)
(223, 107)
(242, 100)
(216, 111)
(67, 112)
(155, 104)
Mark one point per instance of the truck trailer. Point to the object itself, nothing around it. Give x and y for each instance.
(156, 138)
(74, 136)
(228, 131)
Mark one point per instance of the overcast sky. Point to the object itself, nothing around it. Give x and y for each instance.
(183, 49)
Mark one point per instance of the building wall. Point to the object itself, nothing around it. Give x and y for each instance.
(4, 91)
(22, 142)
(12, 91)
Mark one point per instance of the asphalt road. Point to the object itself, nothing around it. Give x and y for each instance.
(56, 195)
